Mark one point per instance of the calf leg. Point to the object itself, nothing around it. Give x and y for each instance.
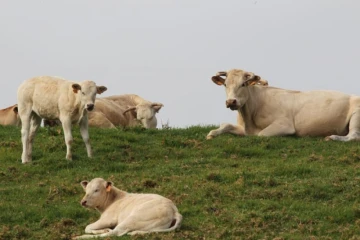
(354, 129)
(226, 128)
(24, 113)
(35, 122)
(85, 135)
(279, 128)
(66, 124)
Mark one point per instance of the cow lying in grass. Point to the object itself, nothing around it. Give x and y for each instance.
(269, 111)
(127, 213)
(124, 110)
(9, 116)
(230, 128)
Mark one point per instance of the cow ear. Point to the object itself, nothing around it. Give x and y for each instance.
(101, 89)
(251, 79)
(157, 106)
(218, 80)
(76, 87)
(108, 186)
(16, 110)
(132, 109)
(84, 184)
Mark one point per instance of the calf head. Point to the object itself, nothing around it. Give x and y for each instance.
(236, 82)
(95, 192)
(87, 91)
(145, 113)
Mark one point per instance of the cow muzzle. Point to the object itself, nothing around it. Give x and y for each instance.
(232, 104)
(83, 203)
(89, 106)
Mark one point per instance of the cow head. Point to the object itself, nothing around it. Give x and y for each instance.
(145, 113)
(96, 192)
(87, 91)
(236, 82)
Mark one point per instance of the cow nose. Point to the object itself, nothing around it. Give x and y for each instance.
(83, 203)
(231, 103)
(90, 107)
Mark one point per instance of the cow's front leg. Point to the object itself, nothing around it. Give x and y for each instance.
(66, 124)
(98, 227)
(226, 128)
(84, 130)
(278, 128)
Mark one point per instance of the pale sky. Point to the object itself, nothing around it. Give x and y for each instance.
(167, 51)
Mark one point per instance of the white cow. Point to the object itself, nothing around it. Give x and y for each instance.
(127, 213)
(55, 98)
(269, 111)
(230, 128)
(136, 108)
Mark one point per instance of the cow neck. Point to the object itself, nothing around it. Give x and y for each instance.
(248, 110)
(112, 196)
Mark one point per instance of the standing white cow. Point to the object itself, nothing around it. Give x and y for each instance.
(127, 213)
(269, 111)
(55, 98)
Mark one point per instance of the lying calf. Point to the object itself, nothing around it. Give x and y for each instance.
(127, 213)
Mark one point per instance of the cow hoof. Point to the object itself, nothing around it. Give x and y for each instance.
(208, 137)
(328, 138)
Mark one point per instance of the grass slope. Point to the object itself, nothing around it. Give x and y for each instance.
(226, 188)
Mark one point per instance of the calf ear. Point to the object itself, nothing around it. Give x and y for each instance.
(76, 87)
(84, 184)
(108, 186)
(16, 110)
(101, 89)
(157, 106)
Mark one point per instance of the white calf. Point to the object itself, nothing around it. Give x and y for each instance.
(55, 98)
(127, 213)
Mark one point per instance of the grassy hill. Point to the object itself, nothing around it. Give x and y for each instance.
(226, 188)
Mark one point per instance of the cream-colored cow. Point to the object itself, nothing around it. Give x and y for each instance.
(10, 116)
(269, 111)
(127, 213)
(124, 110)
(230, 128)
(55, 98)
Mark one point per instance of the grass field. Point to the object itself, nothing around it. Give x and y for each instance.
(226, 188)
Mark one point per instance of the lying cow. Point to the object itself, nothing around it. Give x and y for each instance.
(127, 213)
(269, 111)
(9, 116)
(230, 128)
(55, 98)
(124, 110)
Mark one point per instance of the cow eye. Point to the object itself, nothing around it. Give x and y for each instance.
(82, 93)
(96, 190)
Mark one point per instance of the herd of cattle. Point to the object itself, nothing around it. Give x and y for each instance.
(262, 110)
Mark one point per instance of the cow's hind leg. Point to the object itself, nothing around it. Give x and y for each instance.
(25, 113)
(35, 122)
(226, 128)
(354, 129)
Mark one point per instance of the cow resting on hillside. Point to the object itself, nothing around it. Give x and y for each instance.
(269, 111)
(9, 116)
(124, 110)
(55, 98)
(127, 213)
(230, 128)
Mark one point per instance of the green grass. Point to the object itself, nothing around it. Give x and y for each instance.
(226, 188)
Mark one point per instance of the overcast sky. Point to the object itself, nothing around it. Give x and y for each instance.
(167, 51)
